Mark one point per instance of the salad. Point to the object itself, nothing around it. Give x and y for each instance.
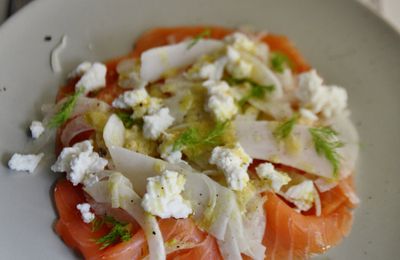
(202, 143)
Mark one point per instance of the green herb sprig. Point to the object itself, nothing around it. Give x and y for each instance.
(191, 137)
(278, 61)
(66, 110)
(256, 90)
(213, 136)
(326, 143)
(197, 38)
(119, 231)
(283, 130)
(97, 223)
(128, 120)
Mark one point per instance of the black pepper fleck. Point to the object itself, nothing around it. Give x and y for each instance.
(47, 38)
(177, 246)
(131, 201)
(154, 233)
(102, 152)
(201, 194)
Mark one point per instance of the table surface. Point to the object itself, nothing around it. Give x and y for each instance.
(388, 9)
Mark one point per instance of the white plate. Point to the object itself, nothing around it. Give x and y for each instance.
(347, 43)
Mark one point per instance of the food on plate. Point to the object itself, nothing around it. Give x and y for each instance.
(202, 143)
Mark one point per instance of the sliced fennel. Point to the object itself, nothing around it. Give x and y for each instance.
(135, 166)
(157, 62)
(114, 132)
(212, 203)
(154, 238)
(117, 190)
(259, 142)
(263, 75)
(215, 208)
(246, 230)
(229, 247)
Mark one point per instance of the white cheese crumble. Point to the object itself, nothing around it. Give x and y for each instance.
(24, 162)
(276, 179)
(220, 101)
(169, 155)
(150, 106)
(167, 152)
(79, 162)
(131, 98)
(173, 157)
(213, 71)
(232, 54)
(287, 79)
(327, 100)
(84, 209)
(163, 196)
(156, 123)
(240, 69)
(94, 78)
(301, 195)
(240, 41)
(237, 67)
(80, 69)
(233, 162)
(36, 129)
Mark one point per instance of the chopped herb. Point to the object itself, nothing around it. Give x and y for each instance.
(119, 231)
(326, 143)
(234, 81)
(128, 120)
(191, 137)
(97, 223)
(278, 61)
(197, 38)
(213, 136)
(285, 129)
(65, 112)
(256, 90)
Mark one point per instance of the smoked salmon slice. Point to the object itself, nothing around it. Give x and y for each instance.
(291, 235)
(70, 226)
(177, 233)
